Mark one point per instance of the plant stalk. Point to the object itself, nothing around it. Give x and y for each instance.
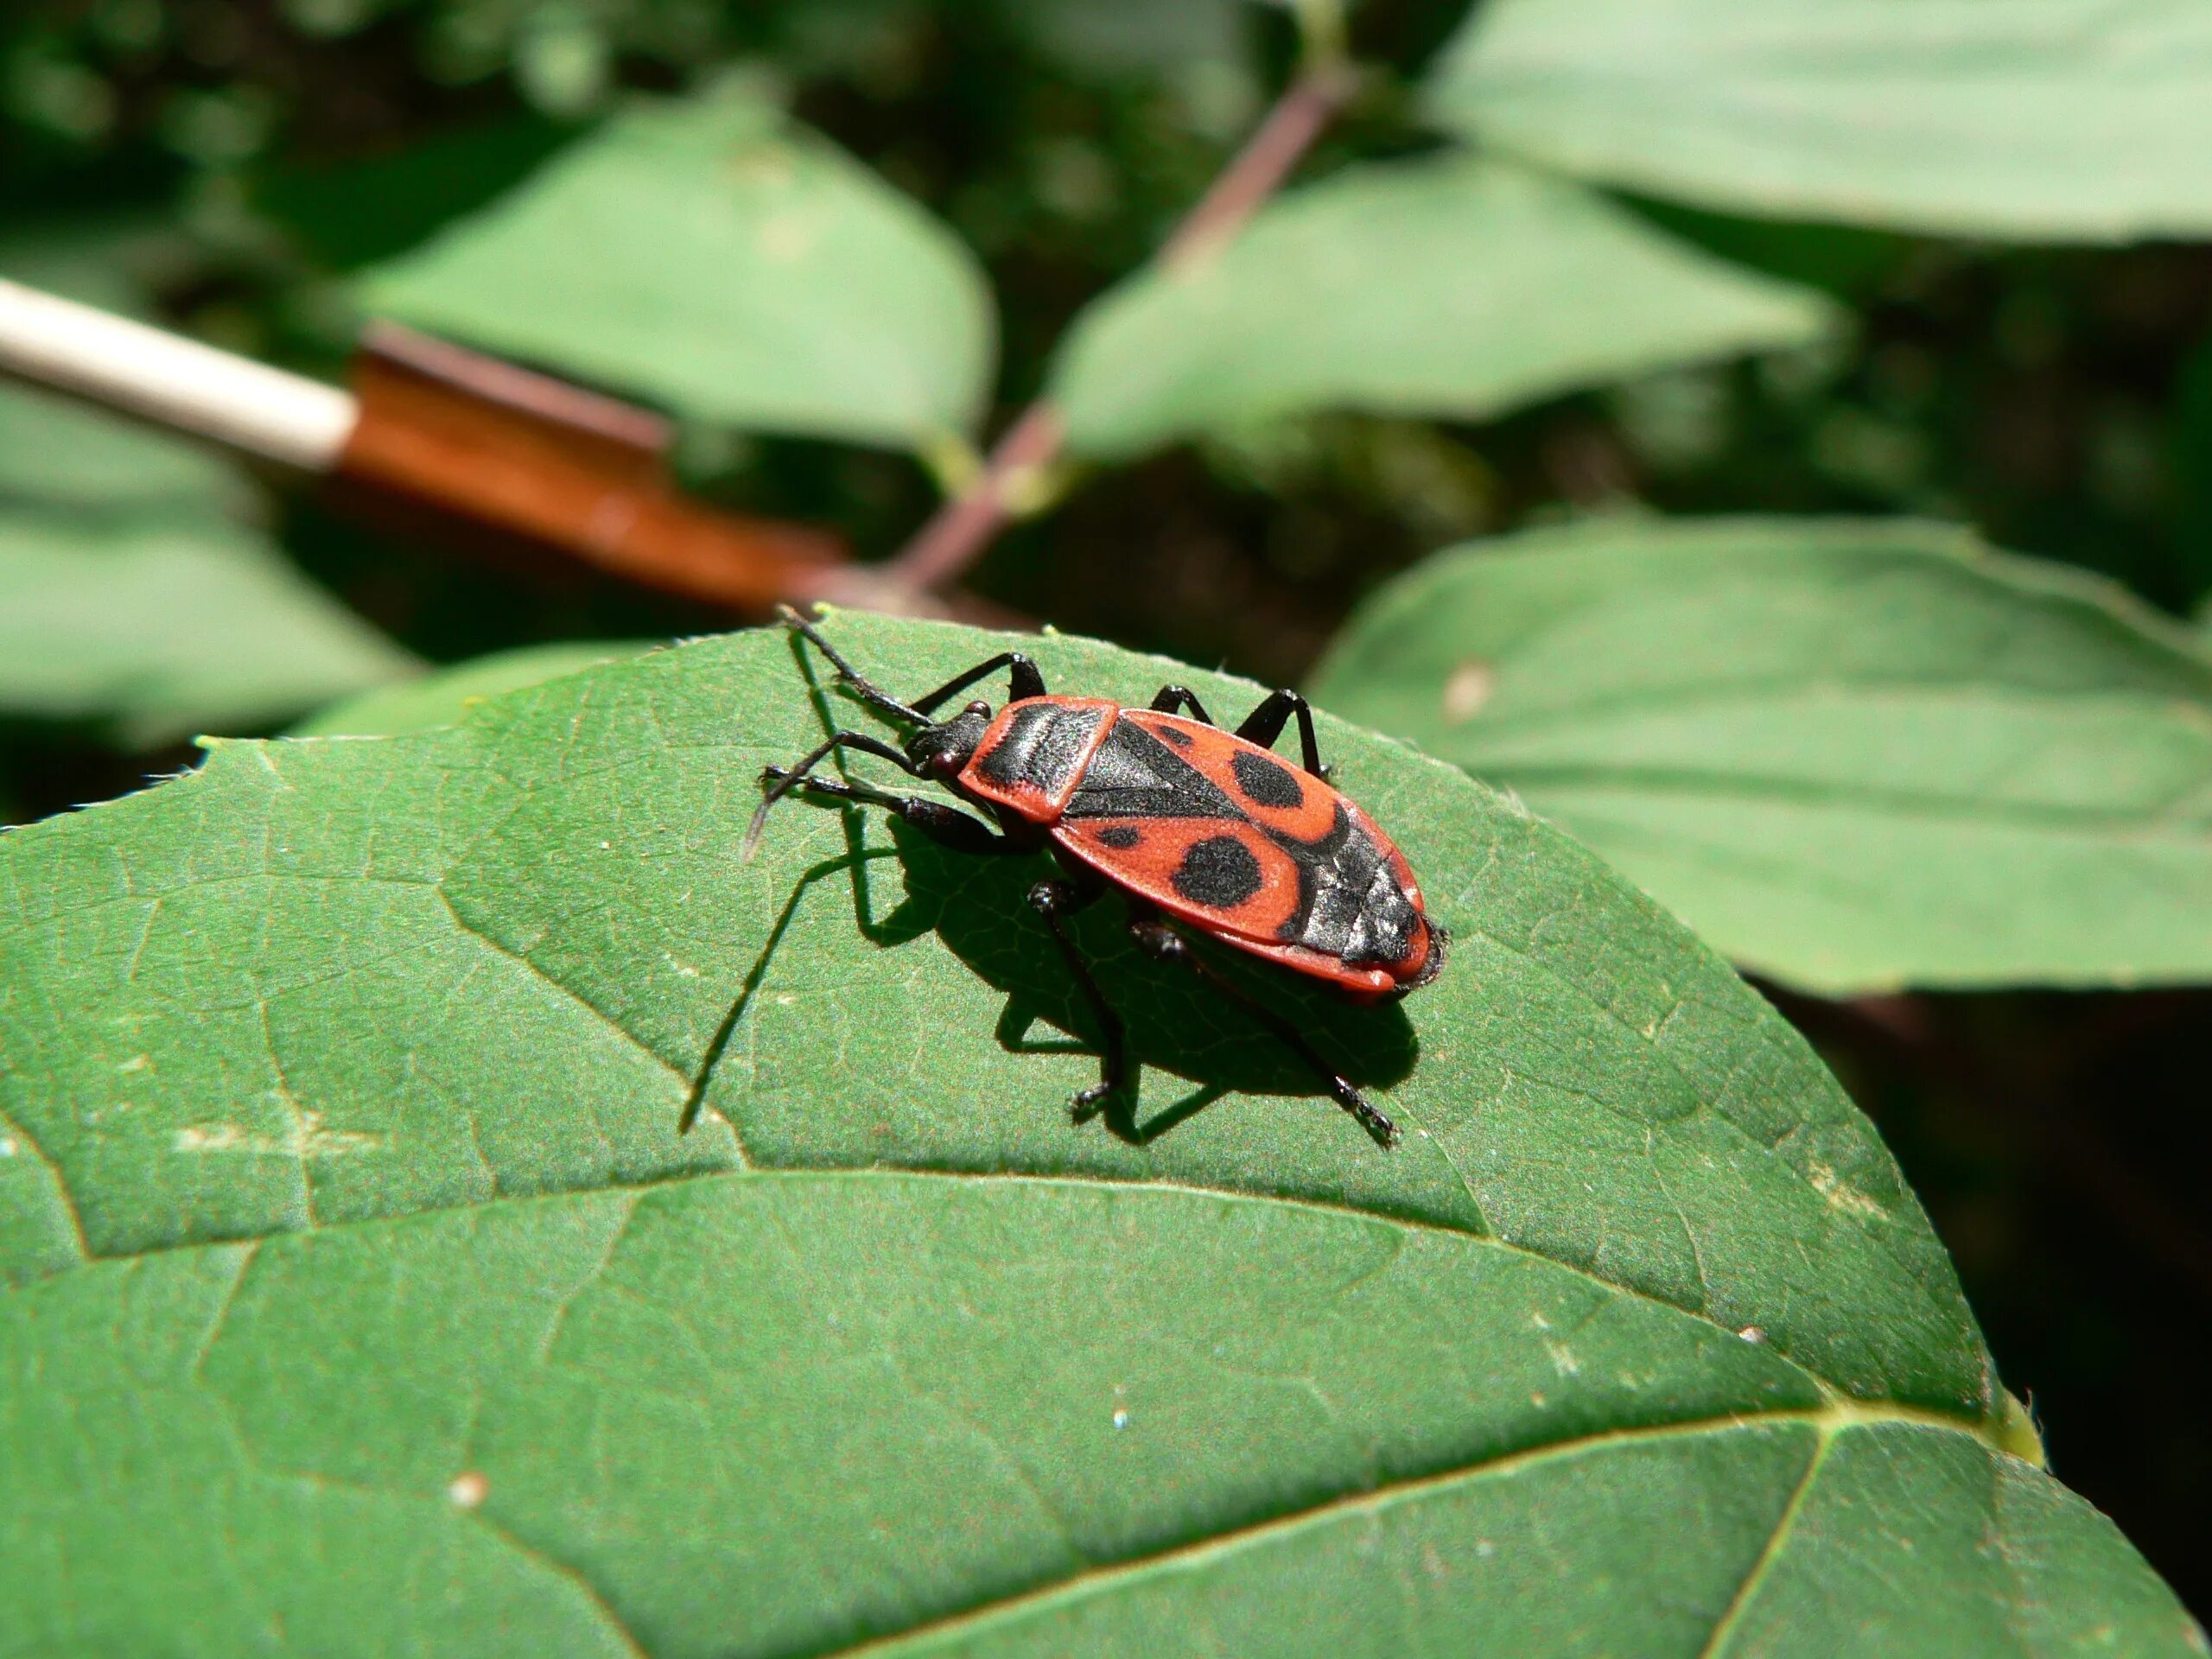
(957, 535)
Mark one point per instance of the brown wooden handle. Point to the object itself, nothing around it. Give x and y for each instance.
(486, 444)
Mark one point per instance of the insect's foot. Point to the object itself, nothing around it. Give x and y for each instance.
(1384, 1131)
(773, 775)
(1086, 1103)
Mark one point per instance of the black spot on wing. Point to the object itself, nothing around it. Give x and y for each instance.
(1177, 735)
(1219, 871)
(1133, 775)
(1267, 781)
(1041, 746)
(1121, 835)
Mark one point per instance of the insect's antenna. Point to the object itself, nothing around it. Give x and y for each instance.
(786, 781)
(871, 694)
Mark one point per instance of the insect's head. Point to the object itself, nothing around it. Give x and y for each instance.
(941, 750)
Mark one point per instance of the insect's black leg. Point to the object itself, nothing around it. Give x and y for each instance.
(1265, 723)
(1155, 938)
(947, 825)
(870, 693)
(1024, 680)
(1053, 900)
(1170, 698)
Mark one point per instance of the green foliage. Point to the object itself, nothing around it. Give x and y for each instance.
(154, 628)
(56, 452)
(358, 1292)
(131, 599)
(60, 454)
(349, 1219)
(710, 255)
(1854, 755)
(2067, 120)
(1503, 288)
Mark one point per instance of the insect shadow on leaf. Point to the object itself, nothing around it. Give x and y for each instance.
(854, 859)
(976, 907)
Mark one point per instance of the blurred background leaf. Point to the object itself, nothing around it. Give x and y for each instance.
(1444, 286)
(54, 451)
(2072, 120)
(155, 628)
(58, 453)
(710, 257)
(1855, 756)
(1137, 36)
(442, 697)
(134, 600)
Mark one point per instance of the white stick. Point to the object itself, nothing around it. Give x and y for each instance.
(171, 381)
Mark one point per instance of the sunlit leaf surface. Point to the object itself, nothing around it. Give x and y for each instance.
(2041, 119)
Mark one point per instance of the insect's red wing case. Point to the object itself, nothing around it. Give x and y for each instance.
(1144, 855)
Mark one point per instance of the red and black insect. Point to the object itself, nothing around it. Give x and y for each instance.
(1208, 827)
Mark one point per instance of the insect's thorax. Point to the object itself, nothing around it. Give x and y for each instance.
(1033, 756)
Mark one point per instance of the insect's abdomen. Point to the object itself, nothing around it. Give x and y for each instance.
(1034, 753)
(1228, 837)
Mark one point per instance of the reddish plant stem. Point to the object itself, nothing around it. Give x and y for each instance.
(1257, 171)
(959, 530)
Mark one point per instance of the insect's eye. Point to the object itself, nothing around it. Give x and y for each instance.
(984, 708)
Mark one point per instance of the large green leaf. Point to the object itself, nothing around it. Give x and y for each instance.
(711, 255)
(2047, 119)
(358, 1261)
(1852, 755)
(1444, 286)
(154, 626)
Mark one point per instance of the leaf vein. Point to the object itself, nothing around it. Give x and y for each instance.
(1776, 1542)
(1829, 1420)
(66, 1198)
(566, 994)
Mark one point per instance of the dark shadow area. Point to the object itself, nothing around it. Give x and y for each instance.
(52, 766)
(1175, 1022)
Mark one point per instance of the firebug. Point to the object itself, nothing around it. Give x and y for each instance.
(1196, 826)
